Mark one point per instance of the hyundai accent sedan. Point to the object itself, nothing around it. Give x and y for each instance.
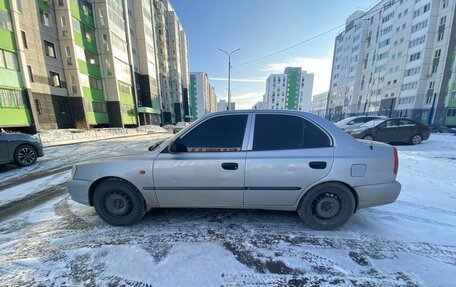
(256, 159)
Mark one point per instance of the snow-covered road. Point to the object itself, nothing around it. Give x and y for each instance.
(60, 157)
(407, 243)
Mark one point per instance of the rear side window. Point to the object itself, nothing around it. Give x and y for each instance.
(224, 133)
(281, 132)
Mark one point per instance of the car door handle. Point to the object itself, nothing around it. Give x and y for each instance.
(317, 164)
(230, 165)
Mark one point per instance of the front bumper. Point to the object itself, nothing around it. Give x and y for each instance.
(79, 190)
(377, 194)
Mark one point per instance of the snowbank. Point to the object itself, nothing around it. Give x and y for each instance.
(66, 136)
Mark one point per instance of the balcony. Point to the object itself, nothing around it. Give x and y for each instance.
(89, 69)
(97, 118)
(93, 94)
(7, 42)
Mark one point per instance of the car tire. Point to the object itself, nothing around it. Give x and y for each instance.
(416, 139)
(368, 137)
(327, 206)
(25, 155)
(119, 202)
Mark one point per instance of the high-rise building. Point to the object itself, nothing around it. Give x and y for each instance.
(89, 63)
(172, 53)
(202, 97)
(291, 90)
(319, 102)
(222, 105)
(396, 60)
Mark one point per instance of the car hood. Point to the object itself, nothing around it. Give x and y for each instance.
(138, 156)
(21, 137)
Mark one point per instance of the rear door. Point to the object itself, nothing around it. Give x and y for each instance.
(406, 130)
(287, 153)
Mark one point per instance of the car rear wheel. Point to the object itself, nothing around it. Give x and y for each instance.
(118, 202)
(416, 139)
(327, 206)
(25, 155)
(368, 138)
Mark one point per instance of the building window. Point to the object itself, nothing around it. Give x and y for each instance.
(69, 58)
(49, 49)
(91, 58)
(44, 18)
(5, 21)
(95, 83)
(38, 106)
(8, 60)
(24, 39)
(30, 74)
(98, 107)
(54, 79)
(11, 99)
(440, 36)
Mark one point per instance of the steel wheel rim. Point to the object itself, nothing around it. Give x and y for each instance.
(326, 206)
(118, 203)
(26, 155)
(416, 139)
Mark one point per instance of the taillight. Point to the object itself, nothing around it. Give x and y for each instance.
(396, 161)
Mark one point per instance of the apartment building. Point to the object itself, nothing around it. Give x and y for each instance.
(222, 105)
(319, 102)
(291, 90)
(395, 59)
(203, 99)
(88, 63)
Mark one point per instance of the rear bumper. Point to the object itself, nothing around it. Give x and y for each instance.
(377, 194)
(79, 190)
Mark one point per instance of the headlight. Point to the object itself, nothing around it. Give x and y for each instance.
(74, 170)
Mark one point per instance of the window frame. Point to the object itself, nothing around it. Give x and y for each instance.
(196, 124)
(252, 131)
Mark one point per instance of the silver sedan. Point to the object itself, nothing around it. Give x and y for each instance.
(258, 159)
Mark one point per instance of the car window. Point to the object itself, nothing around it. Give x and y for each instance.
(359, 120)
(224, 133)
(391, 123)
(280, 132)
(406, 123)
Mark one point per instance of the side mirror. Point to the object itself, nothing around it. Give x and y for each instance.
(175, 147)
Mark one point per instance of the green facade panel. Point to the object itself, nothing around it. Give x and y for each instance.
(450, 121)
(89, 69)
(129, 118)
(44, 5)
(97, 118)
(10, 79)
(93, 94)
(15, 117)
(292, 90)
(7, 41)
(452, 104)
(126, 99)
(4, 5)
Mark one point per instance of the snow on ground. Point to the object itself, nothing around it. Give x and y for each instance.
(24, 190)
(407, 243)
(65, 156)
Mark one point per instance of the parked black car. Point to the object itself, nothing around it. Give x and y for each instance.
(395, 130)
(20, 149)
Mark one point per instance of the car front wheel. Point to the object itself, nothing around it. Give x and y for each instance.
(118, 202)
(25, 155)
(327, 206)
(416, 139)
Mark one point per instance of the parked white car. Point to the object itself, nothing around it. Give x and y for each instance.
(354, 122)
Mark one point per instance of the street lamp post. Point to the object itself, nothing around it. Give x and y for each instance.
(229, 74)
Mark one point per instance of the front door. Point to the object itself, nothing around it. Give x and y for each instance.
(386, 131)
(209, 169)
(288, 154)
